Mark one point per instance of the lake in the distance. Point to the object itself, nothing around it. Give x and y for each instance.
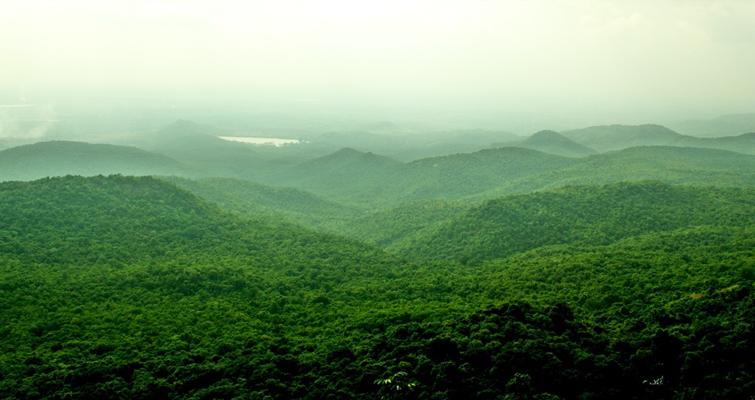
(259, 140)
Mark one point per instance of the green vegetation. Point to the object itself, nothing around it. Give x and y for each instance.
(276, 205)
(289, 206)
(388, 228)
(582, 215)
(123, 287)
(372, 181)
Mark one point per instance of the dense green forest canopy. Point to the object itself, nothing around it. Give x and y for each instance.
(287, 206)
(277, 205)
(124, 287)
(582, 215)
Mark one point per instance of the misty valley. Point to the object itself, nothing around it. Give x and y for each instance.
(185, 262)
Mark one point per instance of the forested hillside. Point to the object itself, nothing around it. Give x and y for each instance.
(582, 216)
(395, 225)
(273, 204)
(289, 206)
(123, 287)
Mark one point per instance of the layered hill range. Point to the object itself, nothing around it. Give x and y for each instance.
(361, 177)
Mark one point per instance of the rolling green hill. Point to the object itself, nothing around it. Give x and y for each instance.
(59, 158)
(386, 228)
(147, 216)
(113, 258)
(338, 173)
(461, 175)
(583, 215)
(274, 204)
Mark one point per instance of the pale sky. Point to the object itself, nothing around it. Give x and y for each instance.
(570, 55)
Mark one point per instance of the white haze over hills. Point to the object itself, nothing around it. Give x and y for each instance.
(315, 66)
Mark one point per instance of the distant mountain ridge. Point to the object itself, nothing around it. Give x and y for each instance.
(671, 164)
(744, 143)
(406, 146)
(726, 125)
(369, 180)
(552, 142)
(354, 177)
(616, 137)
(59, 158)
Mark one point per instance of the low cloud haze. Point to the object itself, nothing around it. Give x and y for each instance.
(598, 60)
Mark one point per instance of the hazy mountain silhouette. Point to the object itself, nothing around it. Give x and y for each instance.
(59, 158)
(616, 137)
(552, 142)
(726, 125)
